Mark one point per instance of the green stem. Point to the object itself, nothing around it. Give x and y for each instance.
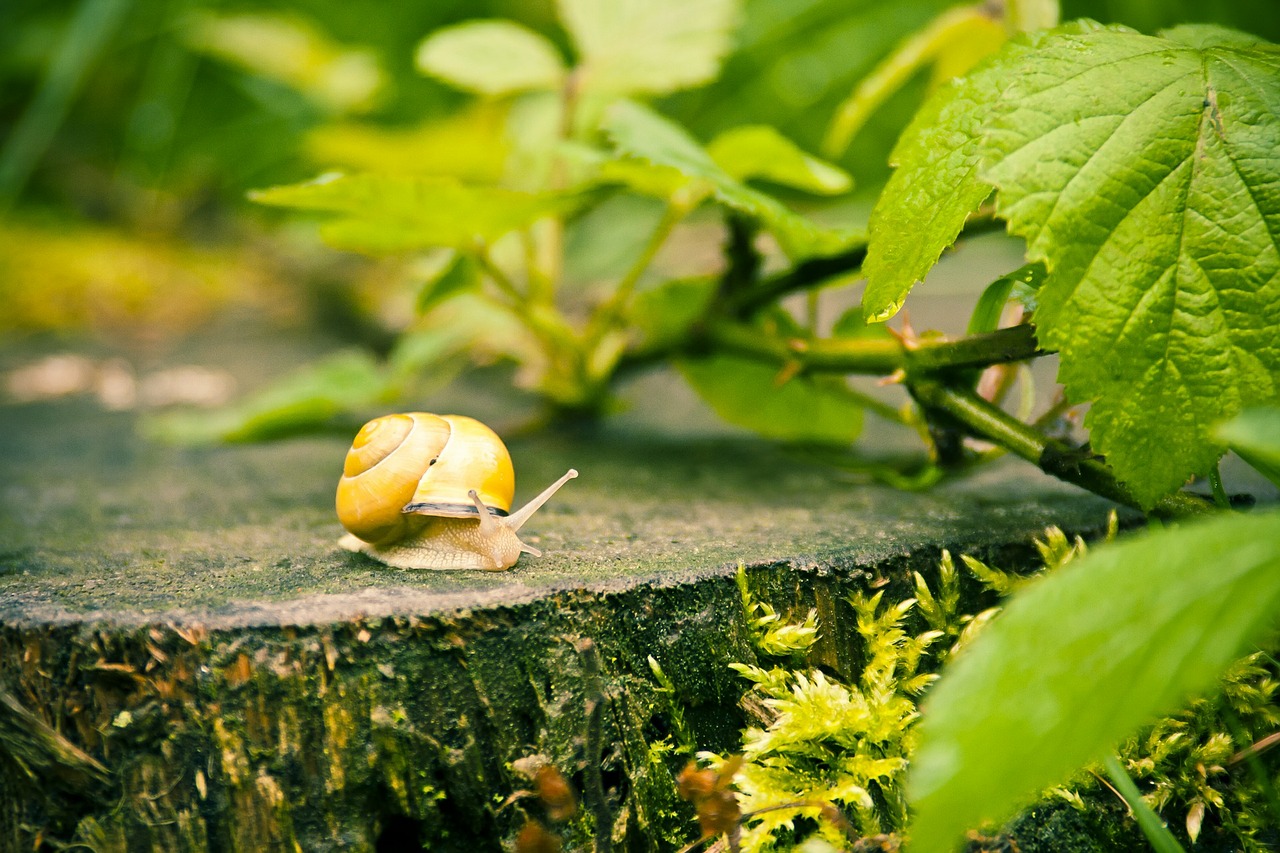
(1220, 496)
(983, 420)
(612, 309)
(499, 277)
(876, 356)
(1159, 836)
(802, 276)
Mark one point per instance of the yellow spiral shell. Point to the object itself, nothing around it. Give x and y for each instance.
(424, 463)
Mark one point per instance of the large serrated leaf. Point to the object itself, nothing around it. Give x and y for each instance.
(387, 213)
(491, 58)
(1082, 658)
(648, 46)
(929, 195)
(641, 133)
(936, 182)
(1143, 172)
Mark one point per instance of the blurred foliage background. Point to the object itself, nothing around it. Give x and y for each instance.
(130, 131)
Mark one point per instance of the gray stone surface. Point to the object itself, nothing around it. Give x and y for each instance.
(97, 522)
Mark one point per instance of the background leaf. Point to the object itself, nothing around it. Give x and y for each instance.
(471, 145)
(664, 315)
(1255, 437)
(491, 58)
(760, 151)
(803, 409)
(1081, 658)
(319, 396)
(640, 132)
(460, 275)
(1142, 172)
(648, 46)
(387, 213)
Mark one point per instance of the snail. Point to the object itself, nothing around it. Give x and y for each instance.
(422, 491)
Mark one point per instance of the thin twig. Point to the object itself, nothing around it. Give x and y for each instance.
(1255, 748)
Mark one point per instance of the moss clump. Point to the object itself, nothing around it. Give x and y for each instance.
(822, 762)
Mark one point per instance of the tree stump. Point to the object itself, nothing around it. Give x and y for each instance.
(188, 662)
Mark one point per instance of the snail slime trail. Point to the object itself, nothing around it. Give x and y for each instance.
(423, 491)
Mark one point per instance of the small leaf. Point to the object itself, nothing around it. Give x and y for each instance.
(461, 275)
(640, 132)
(1021, 284)
(1081, 658)
(471, 146)
(665, 314)
(387, 213)
(291, 50)
(803, 409)
(491, 58)
(1255, 437)
(648, 46)
(760, 151)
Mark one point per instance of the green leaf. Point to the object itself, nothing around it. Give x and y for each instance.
(648, 46)
(471, 145)
(313, 399)
(936, 182)
(1255, 437)
(491, 58)
(290, 49)
(953, 42)
(1081, 658)
(388, 213)
(851, 324)
(460, 275)
(1143, 173)
(641, 133)
(664, 315)
(1021, 284)
(760, 151)
(1158, 835)
(931, 192)
(804, 409)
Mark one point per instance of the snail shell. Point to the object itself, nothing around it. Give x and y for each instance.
(430, 491)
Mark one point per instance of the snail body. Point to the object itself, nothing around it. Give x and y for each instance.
(423, 491)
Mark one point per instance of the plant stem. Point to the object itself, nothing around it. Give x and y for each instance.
(876, 356)
(1220, 496)
(984, 420)
(499, 277)
(1159, 836)
(671, 217)
(803, 275)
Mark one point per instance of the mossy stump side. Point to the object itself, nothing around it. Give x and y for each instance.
(392, 732)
